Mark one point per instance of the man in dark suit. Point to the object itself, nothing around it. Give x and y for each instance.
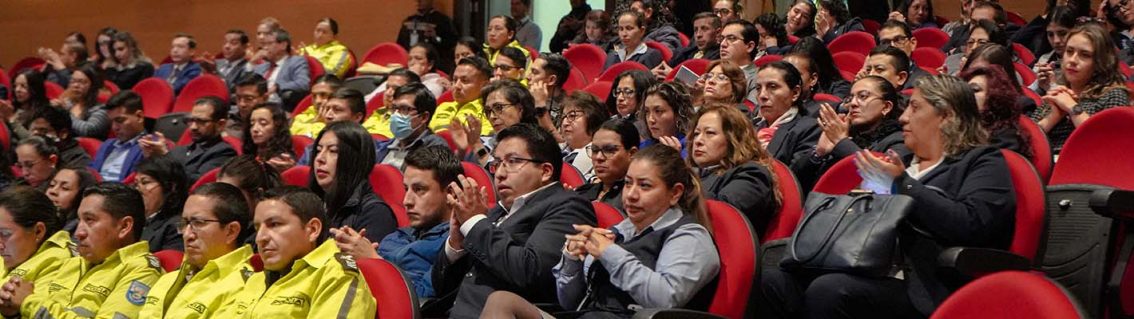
(208, 150)
(288, 75)
(181, 68)
(706, 44)
(234, 64)
(514, 245)
(116, 157)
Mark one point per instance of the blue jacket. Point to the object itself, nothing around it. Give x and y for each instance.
(415, 255)
(132, 158)
(191, 71)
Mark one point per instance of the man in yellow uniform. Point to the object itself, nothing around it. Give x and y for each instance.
(332, 54)
(312, 120)
(114, 270)
(471, 75)
(379, 121)
(302, 278)
(214, 224)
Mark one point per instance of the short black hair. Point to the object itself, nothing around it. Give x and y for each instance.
(1001, 16)
(170, 174)
(773, 24)
(251, 78)
(42, 147)
(710, 15)
(625, 129)
(334, 24)
(229, 205)
(555, 64)
(516, 94)
(423, 101)
(516, 55)
(243, 36)
(251, 175)
(355, 100)
(478, 63)
(29, 206)
(220, 107)
(431, 53)
(901, 60)
(59, 119)
(438, 159)
(304, 204)
(125, 98)
(593, 110)
(283, 36)
(192, 41)
(406, 73)
(539, 143)
(330, 79)
(121, 201)
(891, 24)
(748, 32)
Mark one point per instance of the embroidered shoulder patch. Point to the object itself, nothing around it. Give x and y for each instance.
(347, 261)
(154, 263)
(246, 273)
(137, 293)
(73, 248)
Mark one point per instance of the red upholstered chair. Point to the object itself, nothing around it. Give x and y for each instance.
(532, 53)
(586, 57)
(387, 183)
(1030, 206)
(1125, 68)
(90, 145)
(386, 53)
(850, 62)
(299, 144)
(445, 97)
(696, 65)
(928, 58)
(376, 103)
(482, 178)
(170, 259)
(392, 290)
(110, 86)
(854, 41)
(571, 176)
(208, 177)
(157, 96)
(379, 137)
(448, 137)
(666, 53)
(824, 97)
(1041, 149)
(1015, 18)
(736, 243)
(871, 26)
(7, 83)
(607, 215)
(618, 68)
(792, 39)
(28, 63)
(1010, 295)
(841, 178)
(575, 81)
(298, 175)
(600, 89)
(1026, 74)
(129, 180)
(1026, 56)
(185, 139)
(941, 21)
(314, 68)
(1092, 152)
(236, 144)
(761, 61)
(53, 90)
(791, 209)
(256, 262)
(6, 139)
(684, 39)
(1032, 95)
(302, 106)
(931, 38)
(201, 86)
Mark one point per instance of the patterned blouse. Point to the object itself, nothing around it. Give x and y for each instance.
(1110, 98)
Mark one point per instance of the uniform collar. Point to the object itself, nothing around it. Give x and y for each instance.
(670, 216)
(318, 257)
(137, 249)
(61, 239)
(224, 264)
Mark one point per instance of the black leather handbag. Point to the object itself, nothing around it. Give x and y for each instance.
(855, 233)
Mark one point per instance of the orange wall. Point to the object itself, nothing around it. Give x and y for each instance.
(28, 24)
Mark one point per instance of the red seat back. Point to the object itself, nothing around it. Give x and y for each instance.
(1030, 205)
(761, 61)
(575, 81)
(376, 103)
(52, 90)
(448, 137)
(110, 86)
(792, 39)
(6, 139)
(736, 244)
(256, 262)
(600, 89)
(791, 209)
(854, 41)
(201, 86)
(684, 39)
(170, 259)
(392, 290)
(1023, 53)
(824, 97)
(1032, 95)
(314, 68)
(7, 83)
(1095, 152)
(931, 38)
(445, 97)
(28, 63)
(208, 177)
(871, 26)
(387, 183)
(850, 62)
(666, 53)
(1010, 295)
(1015, 18)
(586, 57)
(298, 175)
(302, 106)
(618, 68)
(841, 178)
(696, 65)
(1041, 149)
(571, 176)
(607, 215)
(236, 143)
(928, 58)
(386, 53)
(1025, 73)
(299, 144)
(90, 145)
(157, 96)
(482, 178)
(379, 137)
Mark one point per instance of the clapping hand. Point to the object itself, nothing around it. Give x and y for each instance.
(467, 198)
(354, 243)
(878, 173)
(835, 128)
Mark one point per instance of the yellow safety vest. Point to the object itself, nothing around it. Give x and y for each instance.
(115, 288)
(204, 292)
(447, 111)
(45, 261)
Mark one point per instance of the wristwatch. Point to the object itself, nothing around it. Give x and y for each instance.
(1076, 110)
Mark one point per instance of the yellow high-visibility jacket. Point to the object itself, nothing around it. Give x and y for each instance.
(45, 261)
(200, 296)
(447, 111)
(334, 56)
(115, 288)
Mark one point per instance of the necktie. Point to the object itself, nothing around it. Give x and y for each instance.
(173, 75)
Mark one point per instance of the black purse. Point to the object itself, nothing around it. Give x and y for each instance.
(855, 233)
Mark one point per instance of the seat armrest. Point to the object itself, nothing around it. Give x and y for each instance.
(659, 313)
(1113, 203)
(959, 265)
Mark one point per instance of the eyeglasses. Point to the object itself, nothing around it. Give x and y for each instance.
(27, 164)
(720, 77)
(404, 109)
(496, 108)
(860, 99)
(730, 38)
(195, 223)
(722, 11)
(973, 42)
(198, 120)
(624, 91)
(898, 39)
(571, 116)
(505, 68)
(510, 164)
(606, 150)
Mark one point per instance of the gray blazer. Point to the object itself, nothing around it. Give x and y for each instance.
(294, 74)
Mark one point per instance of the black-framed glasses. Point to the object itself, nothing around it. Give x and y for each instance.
(571, 116)
(505, 68)
(496, 108)
(722, 11)
(404, 109)
(897, 39)
(624, 91)
(195, 223)
(606, 150)
(511, 164)
(198, 120)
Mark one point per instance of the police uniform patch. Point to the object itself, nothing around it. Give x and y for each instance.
(154, 263)
(347, 261)
(73, 248)
(137, 293)
(246, 273)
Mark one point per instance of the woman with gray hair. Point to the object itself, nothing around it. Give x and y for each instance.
(962, 196)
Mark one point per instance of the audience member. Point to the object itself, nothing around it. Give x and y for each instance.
(311, 120)
(1003, 57)
(471, 75)
(725, 84)
(582, 115)
(233, 66)
(999, 111)
(898, 35)
(506, 103)
(988, 10)
(379, 120)
(116, 157)
(103, 59)
(332, 54)
(28, 95)
(527, 32)
(131, 64)
(810, 57)
(267, 138)
(249, 91)
(65, 191)
(252, 176)
(773, 37)
(427, 25)
(37, 159)
(706, 45)
(889, 63)
(54, 125)
(264, 38)
(345, 105)
(340, 175)
(615, 142)
(733, 167)
(915, 13)
(467, 47)
(783, 126)
(208, 150)
(512, 246)
(631, 46)
(501, 32)
(982, 32)
(88, 117)
(668, 112)
(412, 107)
(570, 26)
(216, 259)
(511, 64)
(164, 186)
(545, 79)
(597, 31)
(181, 68)
(59, 65)
(833, 20)
(36, 245)
(661, 256)
(727, 10)
(799, 21)
(424, 61)
(962, 24)
(656, 22)
(738, 45)
(288, 76)
(1047, 66)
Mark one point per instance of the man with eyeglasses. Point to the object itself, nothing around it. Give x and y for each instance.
(288, 77)
(250, 90)
(112, 273)
(214, 225)
(513, 245)
(511, 67)
(412, 106)
(727, 10)
(208, 150)
(117, 157)
(738, 45)
(379, 120)
(471, 74)
(897, 34)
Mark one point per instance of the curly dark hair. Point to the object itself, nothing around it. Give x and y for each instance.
(1001, 109)
(279, 143)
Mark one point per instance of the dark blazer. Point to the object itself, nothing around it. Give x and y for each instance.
(234, 74)
(795, 140)
(854, 24)
(808, 171)
(365, 210)
(651, 58)
(966, 201)
(125, 79)
(915, 73)
(748, 187)
(294, 74)
(517, 255)
(133, 156)
(1009, 138)
(200, 157)
(591, 191)
(686, 53)
(161, 232)
(191, 71)
(72, 155)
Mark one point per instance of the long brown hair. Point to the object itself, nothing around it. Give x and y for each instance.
(1106, 74)
(673, 171)
(743, 147)
(736, 78)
